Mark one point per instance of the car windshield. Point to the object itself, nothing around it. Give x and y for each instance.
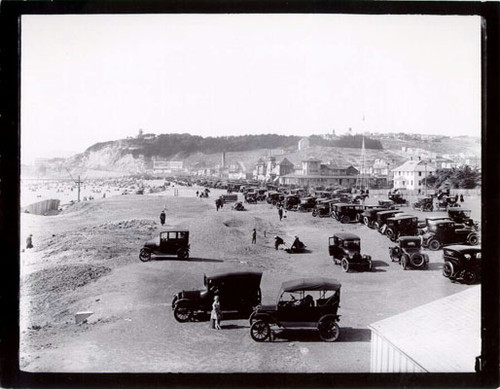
(411, 244)
(351, 244)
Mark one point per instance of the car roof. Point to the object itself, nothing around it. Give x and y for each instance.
(405, 216)
(458, 209)
(316, 283)
(389, 211)
(343, 204)
(346, 235)
(235, 274)
(461, 248)
(161, 232)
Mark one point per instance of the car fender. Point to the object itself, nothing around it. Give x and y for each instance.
(265, 316)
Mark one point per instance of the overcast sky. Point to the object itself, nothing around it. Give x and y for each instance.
(93, 78)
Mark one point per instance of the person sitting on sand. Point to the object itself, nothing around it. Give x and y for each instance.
(278, 241)
(297, 244)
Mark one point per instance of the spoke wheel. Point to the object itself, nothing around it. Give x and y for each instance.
(366, 221)
(260, 331)
(345, 265)
(390, 233)
(182, 314)
(182, 254)
(345, 219)
(145, 255)
(470, 277)
(329, 330)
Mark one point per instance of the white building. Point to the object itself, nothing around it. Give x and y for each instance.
(303, 144)
(443, 336)
(412, 175)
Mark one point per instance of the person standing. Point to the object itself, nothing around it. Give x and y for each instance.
(29, 242)
(197, 193)
(461, 198)
(278, 241)
(162, 217)
(280, 212)
(254, 236)
(216, 315)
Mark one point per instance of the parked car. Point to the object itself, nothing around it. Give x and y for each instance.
(462, 263)
(445, 201)
(172, 242)
(291, 201)
(346, 213)
(237, 291)
(345, 249)
(274, 197)
(445, 232)
(322, 208)
(302, 303)
(382, 217)
(385, 203)
(369, 216)
(306, 204)
(401, 225)
(408, 254)
(397, 198)
(460, 215)
(251, 198)
(424, 204)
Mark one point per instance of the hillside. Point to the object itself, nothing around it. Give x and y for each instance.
(135, 156)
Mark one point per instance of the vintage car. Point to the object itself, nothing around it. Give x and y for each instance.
(462, 263)
(346, 213)
(302, 303)
(322, 208)
(251, 198)
(345, 249)
(401, 225)
(445, 201)
(385, 203)
(306, 204)
(460, 215)
(261, 194)
(167, 243)
(369, 216)
(425, 204)
(382, 216)
(291, 201)
(274, 197)
(397, 198)
(237, 291)
(408, 254)
(446, 232)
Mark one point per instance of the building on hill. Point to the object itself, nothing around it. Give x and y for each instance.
(270, 170)
(412, 174)
(162, 166)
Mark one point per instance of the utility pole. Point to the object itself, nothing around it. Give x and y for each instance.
(78, 183)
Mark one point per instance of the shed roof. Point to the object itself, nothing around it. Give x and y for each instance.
(441, 336)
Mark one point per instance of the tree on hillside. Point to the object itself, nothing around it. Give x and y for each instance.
(463, 177)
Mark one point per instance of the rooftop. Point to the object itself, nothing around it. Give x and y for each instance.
(415, 166)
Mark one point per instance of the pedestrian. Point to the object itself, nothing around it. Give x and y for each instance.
(461, 198)
(216, 315)
(162, 217)
(254, 236)
(278, 241)
(197, 193)
(29, 242)
(217, 204)
(280, 212)
(221, 201)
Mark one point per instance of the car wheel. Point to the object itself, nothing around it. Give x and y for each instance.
(470, 277)
(145, 255)
(329, 330)
(404, 262)
(358, 218)
(366, 221)
(345, 265)
(345, 219)
(314, 213)
(182, 314)
(260, 331)
(182, 254)
(473, 239)
(417, 260)
(448, 269)
(390, 233)
(434, 245)
(376, 226)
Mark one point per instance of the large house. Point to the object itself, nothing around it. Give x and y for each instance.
(412, 174)
(315, 173)
(270, 170)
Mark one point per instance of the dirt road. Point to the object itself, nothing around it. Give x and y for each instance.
(87, 259)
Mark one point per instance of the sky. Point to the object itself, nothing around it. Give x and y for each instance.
(94, 78)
